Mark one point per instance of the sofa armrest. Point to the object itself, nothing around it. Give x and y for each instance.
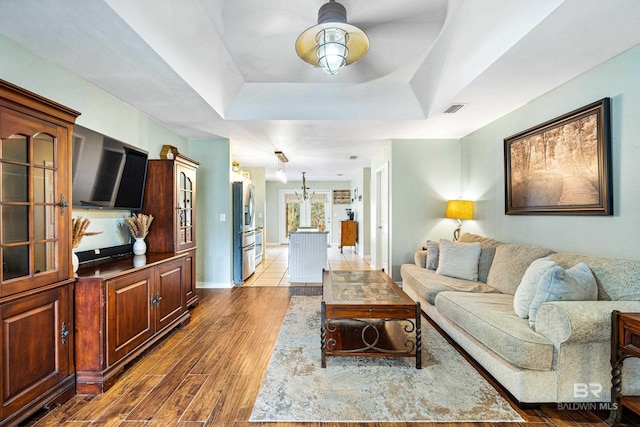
(420, 258)
(579, 321)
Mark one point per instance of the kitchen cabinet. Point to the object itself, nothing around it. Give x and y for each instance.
(122, 310)
(36, 290)
(348, 234)
(170, 196)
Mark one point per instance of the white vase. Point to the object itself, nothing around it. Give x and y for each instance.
(139, 246)
(75, 261)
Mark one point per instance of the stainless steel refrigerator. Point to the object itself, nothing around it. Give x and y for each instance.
(244, 233)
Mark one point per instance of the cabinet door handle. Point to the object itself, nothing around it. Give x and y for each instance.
(156, 299)
(63, 204)
(64, 333)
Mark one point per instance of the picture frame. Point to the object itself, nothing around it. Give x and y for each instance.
(562, 166)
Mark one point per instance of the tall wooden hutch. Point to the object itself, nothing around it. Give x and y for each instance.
(170, 196)
(36, 284)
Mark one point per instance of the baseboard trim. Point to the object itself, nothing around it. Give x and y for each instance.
(213, 285)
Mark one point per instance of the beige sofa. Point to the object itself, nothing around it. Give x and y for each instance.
(566, 357)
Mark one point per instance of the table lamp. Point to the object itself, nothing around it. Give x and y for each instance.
(459, 209)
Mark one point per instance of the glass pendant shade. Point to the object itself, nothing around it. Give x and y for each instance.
(332, 49)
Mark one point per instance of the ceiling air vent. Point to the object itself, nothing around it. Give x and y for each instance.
(453, 108)
(353, 157)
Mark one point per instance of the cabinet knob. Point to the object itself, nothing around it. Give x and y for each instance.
(63, 204)
(156, 299)
(64, 333)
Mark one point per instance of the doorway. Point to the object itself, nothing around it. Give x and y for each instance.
(382, 218)
(296, 213)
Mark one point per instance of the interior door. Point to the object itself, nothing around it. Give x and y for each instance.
(382, 179)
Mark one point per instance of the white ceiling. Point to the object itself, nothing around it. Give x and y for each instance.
(228, 68)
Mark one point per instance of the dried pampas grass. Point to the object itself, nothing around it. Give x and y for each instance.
(139, 224)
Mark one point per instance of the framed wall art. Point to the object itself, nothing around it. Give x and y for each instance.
(561, 167)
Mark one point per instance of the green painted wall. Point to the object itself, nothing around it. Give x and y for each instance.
(423, 175)
(483, 166)
(213, 189)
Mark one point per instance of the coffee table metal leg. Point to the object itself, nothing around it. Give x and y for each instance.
(418, 336)
(323, 335)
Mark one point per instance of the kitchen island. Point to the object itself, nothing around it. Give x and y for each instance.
(307, 255)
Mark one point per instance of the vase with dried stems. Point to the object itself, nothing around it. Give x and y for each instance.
(79, 227)
(139, 227)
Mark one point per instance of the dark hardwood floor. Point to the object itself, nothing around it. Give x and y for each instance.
(208, 373)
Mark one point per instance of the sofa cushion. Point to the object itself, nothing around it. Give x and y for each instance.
(490, 319)
(617, 279)
(557, 284)
(433, 254)
(487, 252)
(528, 285)
(458, 259)
(509, 265)
(427, 284)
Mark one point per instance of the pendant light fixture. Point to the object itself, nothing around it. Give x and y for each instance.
(332, 43)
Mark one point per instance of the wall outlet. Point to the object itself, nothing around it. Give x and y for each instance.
(223, 217)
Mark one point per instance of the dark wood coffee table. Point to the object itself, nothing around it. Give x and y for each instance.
(364, 313)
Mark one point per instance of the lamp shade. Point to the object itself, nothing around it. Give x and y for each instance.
(459, 209)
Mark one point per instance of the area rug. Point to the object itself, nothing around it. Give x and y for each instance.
(353, 389)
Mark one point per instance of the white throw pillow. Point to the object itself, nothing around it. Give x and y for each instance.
(528, 285)
(557, 284)
(433, 250)
(459, 259)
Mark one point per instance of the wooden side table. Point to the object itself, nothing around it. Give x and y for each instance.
(348, 234)
(625, 343)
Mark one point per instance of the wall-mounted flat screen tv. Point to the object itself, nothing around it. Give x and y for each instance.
(107, 173)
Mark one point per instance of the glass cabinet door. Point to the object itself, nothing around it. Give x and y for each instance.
(186, 207)
(32, 209)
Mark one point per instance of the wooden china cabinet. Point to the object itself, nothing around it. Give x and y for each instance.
(36, 287)
(170, 196)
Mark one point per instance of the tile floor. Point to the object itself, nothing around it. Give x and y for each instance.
(273, 270)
